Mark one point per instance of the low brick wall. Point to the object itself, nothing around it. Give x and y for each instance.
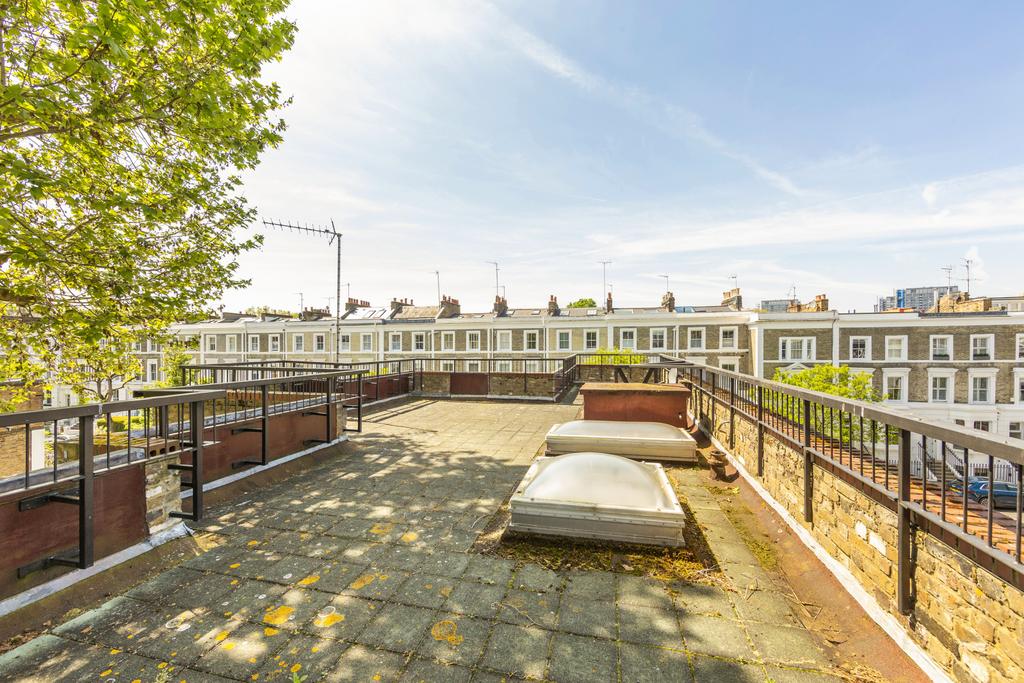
(436, 383)
(606, 373)
(970, 621)
(533, 385)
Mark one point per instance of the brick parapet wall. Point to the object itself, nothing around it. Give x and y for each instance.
(968, 620)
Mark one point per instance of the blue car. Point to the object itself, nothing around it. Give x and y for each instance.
(1005, 494)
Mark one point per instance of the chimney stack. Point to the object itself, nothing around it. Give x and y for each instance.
(668, 302)
(398, 304)
(449, 308)
(500, 305)
(819, 305)
(352, 304)
(733, 299)
(608, 304)
(553, 305)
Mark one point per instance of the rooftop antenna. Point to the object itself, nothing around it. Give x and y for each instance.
(333, 237)
(666, 281)
(302, 304)
(792, 293)
(496, 287)
(735, 281)
(948, 270)
(437, 274)
(967, 268)
(604, 276)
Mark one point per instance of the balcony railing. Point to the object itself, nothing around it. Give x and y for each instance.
(919, 469)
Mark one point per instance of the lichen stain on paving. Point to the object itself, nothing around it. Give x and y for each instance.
(446, 630)
(366, 579)
(278, 615)
(381, 528)
(325, 620)
(309, 580)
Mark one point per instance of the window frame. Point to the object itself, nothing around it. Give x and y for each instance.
(231, 343)
(735, 337)
(363, 346)
(903, 339)
(932, 338)
(298, 342)
(274, 343)
(419, 341)
(622, 338)
(345, 342)
(254, 343)
(568, 340)
(470, 337)
(320, 342)
(664, 338)
(536, 340)
(597, 340)
(1019, 429)
(808, 344)
(211, 343)
(391, 342)
(903, 375)
(867, 347)
(990, 344)
(949, 375)
(447, 345)
(989, 375)
(703, 339)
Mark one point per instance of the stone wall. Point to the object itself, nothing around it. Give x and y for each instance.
(970, 621)
(539, 386)
(436, 383)
(163, 494)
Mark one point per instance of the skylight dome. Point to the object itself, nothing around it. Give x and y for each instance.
(598, 495)
(654, 440)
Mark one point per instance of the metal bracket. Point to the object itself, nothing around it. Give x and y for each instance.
(47, 498)
(310, 442)
(314, 412)
(238, 430)
(239, 464)
(67, 560)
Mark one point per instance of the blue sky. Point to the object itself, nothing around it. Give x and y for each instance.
(844, 149)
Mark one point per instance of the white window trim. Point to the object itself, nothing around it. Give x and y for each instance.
(391, 342)
(208, 346)
(558, 340)
(991, 347)
(1018, 347)
(735, 360)
(232, 343)
(990, 373)
(362, 342)
(296, 339)
(597, 340)
(419, 338)
(345, 345)
(152, 370)
(1018, 379)
(949, 346)
(904, 385)
(319, 342)
(472, 345)
(536, 338)
(506, 345)
(903, 348)
(703, 338)
(503, 365)
(721, 337)
(664, 339)
(274, 343)
(622, 332)
(254, 343)
(867, 348)
(810, 347)
(447, 340)
(950, 375)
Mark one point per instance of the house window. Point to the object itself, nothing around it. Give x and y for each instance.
(211, 343)
(298, 343)
(447, 341)
(729, 365)
(796, 348)
(658, 339)
(473, 341)
(940, 389)
(981, 389)
(860, 348)
(254, 343)
(504, 340)
(319, 342)
(1020, 347)
(894, 387)
(530, 342)
(473, 366)
(1017, 430)
(695, 338)
(726, 338)
(941, 347)
(153, 372)
(590, 340)
(232, 343)
(503, 366)
(627, 339)
(396, 341)
(564, 340)
(419, 342)
(346, 342)
(366, 343)
(1020, 389)
(447, 366)
(981, 347)
(895, 348)
(533, 366)
(982, 425)
(275, 342)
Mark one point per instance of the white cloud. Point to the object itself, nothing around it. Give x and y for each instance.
(930, 193)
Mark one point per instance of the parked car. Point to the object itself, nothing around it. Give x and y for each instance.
(1005, 494)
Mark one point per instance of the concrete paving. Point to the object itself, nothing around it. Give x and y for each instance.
(362, 568)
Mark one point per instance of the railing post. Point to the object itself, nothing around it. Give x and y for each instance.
(904, 540)
(732, 413)
(264, 423)
(85, 492)
(808, 465)
(327, 409)
(359, 399)
(760, 430)
(196, 429)
(714, 401)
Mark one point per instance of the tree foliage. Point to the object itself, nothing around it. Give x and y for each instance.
(830, 379)
(123, 127)
(585, 302)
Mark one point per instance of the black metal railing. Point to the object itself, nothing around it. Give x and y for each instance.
(919, 469)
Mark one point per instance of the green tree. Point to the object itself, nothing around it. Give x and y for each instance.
(586, 302)
(830, 379)
(123, 127)
(176, 354)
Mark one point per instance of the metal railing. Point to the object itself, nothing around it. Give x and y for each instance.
(873, 448)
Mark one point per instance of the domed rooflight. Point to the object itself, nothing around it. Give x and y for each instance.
(598, 495)
(654, 440)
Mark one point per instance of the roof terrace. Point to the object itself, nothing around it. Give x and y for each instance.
(387, 556)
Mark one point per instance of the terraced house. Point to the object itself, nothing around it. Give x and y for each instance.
(962, 366)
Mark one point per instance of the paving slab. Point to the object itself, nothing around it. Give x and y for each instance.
(578, 659)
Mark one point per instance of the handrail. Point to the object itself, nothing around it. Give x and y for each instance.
(153, 400)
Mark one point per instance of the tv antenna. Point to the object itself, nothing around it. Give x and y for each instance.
(333, 237)
(437, 274)
(735, 281)
(792, 293)
(604, 276)
(948, 270)
(666, 281)
(967, 269)
(496, 286)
